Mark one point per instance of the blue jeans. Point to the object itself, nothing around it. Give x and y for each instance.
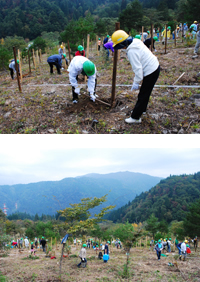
(169, 249)
(179, 250)
(158, 254)
(81, 261)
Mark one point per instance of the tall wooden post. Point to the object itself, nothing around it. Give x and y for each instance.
(69, 51)
(151, 37)
(142, 33)
(29, 62)
(51, 242)
(117, 27)
(20, 64)
(16, 66)
(166, 39)
(40, 55)
(175, 35)
(34, 59)
(97, 40)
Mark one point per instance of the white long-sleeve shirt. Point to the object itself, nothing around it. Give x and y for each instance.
(183, 247)
(75, 68)
(142, 60)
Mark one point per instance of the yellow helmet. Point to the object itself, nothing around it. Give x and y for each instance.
(61, 46)
(186, 241)
(118, 37)
(195, 22)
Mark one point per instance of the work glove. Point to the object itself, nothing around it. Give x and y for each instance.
(135, 86)
(77, 91)
(92, 97)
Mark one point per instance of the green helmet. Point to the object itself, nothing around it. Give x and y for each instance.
(155, 38)
(137, 36)
(170, 239)
(148, 31)
(99, 38)
(84, 245)
(42, 237)
(156, 241)
(89, 68)
(169, 27)
(31, 243)
(18, 61)
(64, 55)
(108, 35)
(80, 48)
(159, 241)
(108, 242)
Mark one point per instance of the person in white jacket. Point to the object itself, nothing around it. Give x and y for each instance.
(145, 66)
(26, 242)
(12, 68)
(82, 65)
(183, 250)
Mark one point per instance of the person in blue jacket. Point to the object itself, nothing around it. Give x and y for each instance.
(57, 61)
(158, 248)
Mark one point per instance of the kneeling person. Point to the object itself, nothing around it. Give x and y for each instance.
(82, 65)
(82, 255)
(55, 60)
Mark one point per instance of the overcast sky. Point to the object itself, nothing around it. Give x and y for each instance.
(32, 158)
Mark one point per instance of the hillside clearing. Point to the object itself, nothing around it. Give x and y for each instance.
(143, 266)
(44, 106)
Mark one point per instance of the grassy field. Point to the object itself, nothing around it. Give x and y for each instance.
(143, 266)
(45, 104)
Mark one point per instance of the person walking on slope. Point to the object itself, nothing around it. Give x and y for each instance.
(193, 29)
(197, 44)
(169, 245)
(12, 68)
(195, 243)
(147, 42)
(82, 65)
(56, 60)
(109, 45)
(43, 243)
(106, 249)
(183, 250)
(145, 66)
(99, 44)
(105, 40)
(80, 52)
(158, 248)
(26, 242)
(82, 255)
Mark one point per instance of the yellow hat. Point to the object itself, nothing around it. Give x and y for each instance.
(195, 22)
(118, 37)
(61, 46)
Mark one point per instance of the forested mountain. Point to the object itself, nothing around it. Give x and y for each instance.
(29, 18)
(49, 196)
(168, 200)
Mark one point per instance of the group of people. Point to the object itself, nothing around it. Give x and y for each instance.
(145, 65)
(21, 243)
(82, 254)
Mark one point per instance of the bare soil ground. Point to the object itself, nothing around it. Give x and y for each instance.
(143, 266)
(45, 104)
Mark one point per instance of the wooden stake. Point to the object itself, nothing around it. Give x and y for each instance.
(20, 64)
(151, 37)
(69, 51)
(97, 40)
(51, 242)
(37, 57)
(175, 35)
(179, 78)
(16, 67)
(166, 39)
(34, 59)
(40, 55)
(56, 243)
(117, 27)
(29, 62)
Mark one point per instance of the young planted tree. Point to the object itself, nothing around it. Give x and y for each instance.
(79, 219)
(152, 225)
(128, 236)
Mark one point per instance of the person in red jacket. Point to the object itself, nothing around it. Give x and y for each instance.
(81, 51)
